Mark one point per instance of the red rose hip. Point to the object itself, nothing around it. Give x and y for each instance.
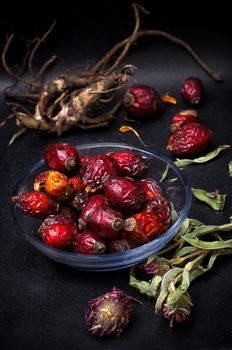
(144, 227)
(191, 139)
(89, 243)
(62, 157)
(58, 231)
(182, 118)
(36, 204)
(151, 188)
(124, 194)
(192, 91)
(142, 101)
(130, 164)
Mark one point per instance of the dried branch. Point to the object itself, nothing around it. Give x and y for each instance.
(36, 47)
(131, 39)
(212, 73)
(9, 70)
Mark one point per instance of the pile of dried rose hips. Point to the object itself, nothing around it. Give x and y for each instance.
(95, 204)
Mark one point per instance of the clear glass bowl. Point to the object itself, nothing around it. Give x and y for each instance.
(176, 188)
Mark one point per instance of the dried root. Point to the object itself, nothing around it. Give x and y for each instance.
(75, 100)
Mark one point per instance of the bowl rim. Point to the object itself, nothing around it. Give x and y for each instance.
(107, 260)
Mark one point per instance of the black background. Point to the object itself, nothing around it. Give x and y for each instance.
(42, 303)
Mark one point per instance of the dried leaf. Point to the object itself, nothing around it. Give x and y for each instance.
(143, 286)
(214, 200)
(200, 270)
(165, 173)
(230, 168)
(184, 162)
(184, 251)
(195, 242)
(126, 128)
(184, 285)
(17, 135)
(169, 99)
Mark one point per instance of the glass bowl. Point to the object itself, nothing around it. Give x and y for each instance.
(176, 188)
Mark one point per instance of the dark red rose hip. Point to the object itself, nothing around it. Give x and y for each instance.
(96, 170)
(151, 188)
(192, 91)
(191, 139)
(142, 101)
(182, 118)
(62, 157)
(124, 194)
(89, 243)
(130, 164)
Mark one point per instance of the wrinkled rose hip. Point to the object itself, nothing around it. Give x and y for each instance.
(58, 231)
(124, 194)
(182, 118)
(191, 139)
(36, 204)
(142, 101)
(192, 91)
(130, 164)
(89, 243)
(57, 185)
(143, 227)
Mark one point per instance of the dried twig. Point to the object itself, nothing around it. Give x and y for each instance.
(214, 74)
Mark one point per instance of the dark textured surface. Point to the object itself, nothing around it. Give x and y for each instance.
(42, 304)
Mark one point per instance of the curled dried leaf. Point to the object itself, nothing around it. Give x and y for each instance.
(214, 199)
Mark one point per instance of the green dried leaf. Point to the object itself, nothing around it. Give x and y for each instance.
(165, 173)
(200, 270)
(230, 168)
(195, 242)
(184, 162)
(183, 230)
(167, 279)
(185, 283)
(155, 284)
(143, 286)
(184, 251)
(214, 200)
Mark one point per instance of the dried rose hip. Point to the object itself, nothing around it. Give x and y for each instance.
(124, 194)
(36, 204)
(76, 183)
(40, 180)
(121, 244)
(130, 164)
(104, 221)
(96, 170)
(79, 200)
(182, 118)
(161, 207)
(57, 185)
(89, 243)
(191, 139)
(98, 200)
(144, 227)
(58, 231)
(142, 101)
(192, 90)
(151, 188)
(62, 157)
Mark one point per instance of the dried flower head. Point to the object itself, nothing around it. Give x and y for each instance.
(179, 311)
(110, 313)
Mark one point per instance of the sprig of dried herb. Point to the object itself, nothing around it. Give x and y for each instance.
(181, 262)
